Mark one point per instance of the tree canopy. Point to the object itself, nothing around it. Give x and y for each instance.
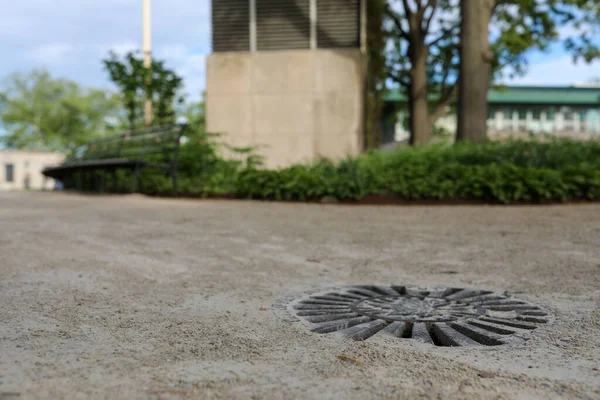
(41, 112)
(136, 83)
(496, 36)
(424, 43)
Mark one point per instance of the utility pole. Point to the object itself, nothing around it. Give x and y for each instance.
(147, 59)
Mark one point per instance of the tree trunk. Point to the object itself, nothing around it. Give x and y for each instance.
(420, 125)
(475, 69)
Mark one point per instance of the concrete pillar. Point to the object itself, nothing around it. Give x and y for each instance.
(543, 121)
(528, 121)
(559, 121)
(576, 122)
(399, 132)
(499, 120)
(292, 105)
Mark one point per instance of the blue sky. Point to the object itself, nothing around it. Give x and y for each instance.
(70, 37)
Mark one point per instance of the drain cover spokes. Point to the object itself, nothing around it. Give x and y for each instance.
(442, 316)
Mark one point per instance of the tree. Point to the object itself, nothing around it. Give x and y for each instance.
(423, 58)
(376, 73)
(519, 26)
(476, 66)
(132, 79)
(42, 112)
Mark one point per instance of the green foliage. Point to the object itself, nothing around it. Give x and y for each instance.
(515, 28)
(202, 170)
(527, 24)
(503, 172)
(432, 27)
(493, 172)
(407, 25)
(46, 113)
(138, 83)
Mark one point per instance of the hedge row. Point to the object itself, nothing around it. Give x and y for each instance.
(419, 178)
(504, 172)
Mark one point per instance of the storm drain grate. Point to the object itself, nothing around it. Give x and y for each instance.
(442, 316)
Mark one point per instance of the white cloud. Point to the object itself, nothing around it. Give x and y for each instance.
(172, 51)
(71, 37)
(561, 71)
(48, 54)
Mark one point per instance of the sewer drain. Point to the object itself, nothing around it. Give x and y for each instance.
(442, 316)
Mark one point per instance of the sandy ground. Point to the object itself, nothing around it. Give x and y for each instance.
(132, 297)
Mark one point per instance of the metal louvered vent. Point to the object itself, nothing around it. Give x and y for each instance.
(282, 24)
(230, 25)
(338, 23)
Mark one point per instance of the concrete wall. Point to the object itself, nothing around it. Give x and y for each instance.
(296, 105)
(27, 164)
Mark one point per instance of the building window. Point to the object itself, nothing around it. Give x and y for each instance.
(550, 113)
(568, 114)
(491, 112)
(568, 119)
(507, 113)
(522, 113)
(9, 173)
(586, 122)
(536, 114)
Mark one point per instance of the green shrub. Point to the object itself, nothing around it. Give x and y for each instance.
(494, 171)
(503, 172)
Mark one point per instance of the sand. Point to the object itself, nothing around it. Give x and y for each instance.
(128, 297)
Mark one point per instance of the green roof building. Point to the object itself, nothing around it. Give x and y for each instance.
(559, 110)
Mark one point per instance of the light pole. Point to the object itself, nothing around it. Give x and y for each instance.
(147, 59)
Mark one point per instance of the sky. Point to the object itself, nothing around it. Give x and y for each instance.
(70, 38)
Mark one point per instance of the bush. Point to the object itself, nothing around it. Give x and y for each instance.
(497, 172)
(503, 172)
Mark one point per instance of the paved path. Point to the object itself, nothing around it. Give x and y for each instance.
(132, 297)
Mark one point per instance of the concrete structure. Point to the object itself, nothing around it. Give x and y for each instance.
(558, 110)
(294, 105)
(22, 169)
(292, 85)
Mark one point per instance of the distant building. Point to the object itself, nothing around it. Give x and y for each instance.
(287, 76)
(22, 169)
(558, 110)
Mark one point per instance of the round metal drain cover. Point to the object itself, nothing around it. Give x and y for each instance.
(442, 316)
